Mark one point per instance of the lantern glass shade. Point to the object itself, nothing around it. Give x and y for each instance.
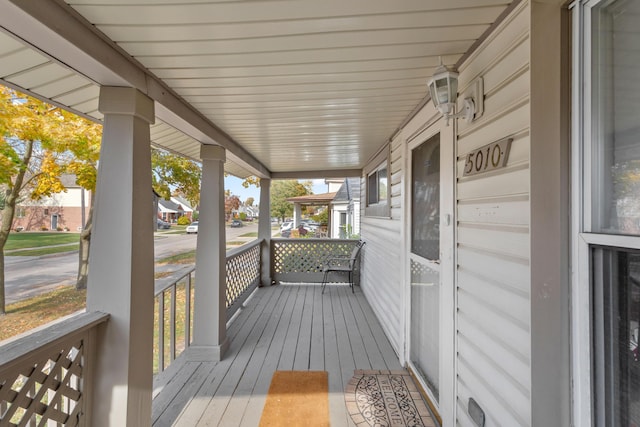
(444, 89)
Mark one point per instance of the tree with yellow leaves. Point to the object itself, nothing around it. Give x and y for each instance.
(79, 139)
(29, 164)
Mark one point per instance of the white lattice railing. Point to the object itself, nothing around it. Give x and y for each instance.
(45, 376)
(243, 275)
(302, 260)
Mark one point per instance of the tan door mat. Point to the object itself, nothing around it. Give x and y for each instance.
(386, 398)
(297, 398)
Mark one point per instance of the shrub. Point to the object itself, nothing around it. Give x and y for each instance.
(58, 228)
(43, 228)
(243, 216)
(183, 220)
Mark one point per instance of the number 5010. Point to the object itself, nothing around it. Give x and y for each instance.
(487, 158)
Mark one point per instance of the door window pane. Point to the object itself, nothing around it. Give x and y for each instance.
(425, 206)
(616, 117)
(616, 318)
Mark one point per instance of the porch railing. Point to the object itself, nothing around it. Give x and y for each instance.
(243, 275)
(302, 260)
(174, 299)
(173, 316)
(45, 376)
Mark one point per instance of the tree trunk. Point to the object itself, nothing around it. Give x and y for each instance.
(7, 217)
(83, 253)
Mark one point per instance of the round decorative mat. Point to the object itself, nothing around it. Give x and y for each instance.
(386, 398)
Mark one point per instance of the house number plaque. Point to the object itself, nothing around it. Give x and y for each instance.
(488, 158)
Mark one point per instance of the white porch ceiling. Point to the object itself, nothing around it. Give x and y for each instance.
(301, 85)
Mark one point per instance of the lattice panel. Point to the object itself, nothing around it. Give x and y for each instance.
(47, 389)
(305, 258)
(243, 274)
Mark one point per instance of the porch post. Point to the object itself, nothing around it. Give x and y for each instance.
(121, 262)
(210, 311)
(264, 230)
(297, 214)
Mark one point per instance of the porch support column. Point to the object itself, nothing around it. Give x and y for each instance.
(264, 231)
(210, 311)
(551, 383)
(297, 215)
(121, 262)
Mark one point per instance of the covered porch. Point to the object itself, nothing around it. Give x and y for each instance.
(285, 327)
(302, 90)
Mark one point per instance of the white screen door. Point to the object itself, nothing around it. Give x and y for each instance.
(430, 259)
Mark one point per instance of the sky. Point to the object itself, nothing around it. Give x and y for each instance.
(235, 185)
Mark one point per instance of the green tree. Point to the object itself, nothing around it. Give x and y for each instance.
(173, 174)
(281, 191)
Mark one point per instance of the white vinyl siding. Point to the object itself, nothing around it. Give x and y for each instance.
(493, 256)
(381, 281)
(493, 248)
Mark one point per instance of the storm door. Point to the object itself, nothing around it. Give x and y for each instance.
(430, 274)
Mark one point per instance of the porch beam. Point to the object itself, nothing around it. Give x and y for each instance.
(338, 173)
(264, 231)
(121, 261)
(59, 32)
(209, 317)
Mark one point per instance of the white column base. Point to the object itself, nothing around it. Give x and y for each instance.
(207, 353)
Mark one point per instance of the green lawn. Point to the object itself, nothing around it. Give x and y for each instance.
(26, 239)
(46, 251)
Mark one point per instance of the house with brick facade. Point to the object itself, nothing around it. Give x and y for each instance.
(62, 211)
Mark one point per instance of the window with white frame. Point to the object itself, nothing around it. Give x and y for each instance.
(377, 186)
(607, 242)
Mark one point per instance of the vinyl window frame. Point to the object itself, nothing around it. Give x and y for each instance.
(378, 207)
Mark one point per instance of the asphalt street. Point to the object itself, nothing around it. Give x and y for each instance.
(29, 276)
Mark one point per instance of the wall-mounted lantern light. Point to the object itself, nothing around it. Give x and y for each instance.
(444, 93)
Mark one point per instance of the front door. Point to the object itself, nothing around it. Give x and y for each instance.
(430, 265)
(54, 222)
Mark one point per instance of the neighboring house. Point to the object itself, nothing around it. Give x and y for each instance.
(345, 209)
(185, 206)
(250, 211)
(169, 211)
(61, 211)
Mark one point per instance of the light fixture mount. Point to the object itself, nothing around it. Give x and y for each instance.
(443, 87)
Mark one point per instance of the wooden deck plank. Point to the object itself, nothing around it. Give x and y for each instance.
(293, 330)
(282, 327)
(332, 359)
(387, 351)
(168, 409)
(269, 346)
(301, 361)
(361, 323)
(316, 356)
(260, 338)
(255, 403)
(259, 314)
(360, 355)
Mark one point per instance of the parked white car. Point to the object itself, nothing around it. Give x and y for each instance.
(286, 226)
(192, 228)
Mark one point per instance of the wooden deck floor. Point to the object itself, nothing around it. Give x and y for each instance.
(284, 327)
